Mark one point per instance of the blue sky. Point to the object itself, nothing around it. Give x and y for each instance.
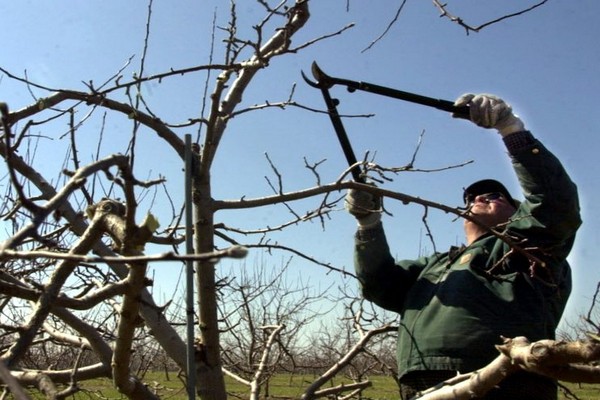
(544, 63)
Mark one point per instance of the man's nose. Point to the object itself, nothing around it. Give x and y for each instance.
(482, 198)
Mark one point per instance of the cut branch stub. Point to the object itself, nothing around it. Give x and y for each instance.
(113, 215)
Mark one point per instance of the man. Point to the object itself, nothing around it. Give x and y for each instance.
(455, 306)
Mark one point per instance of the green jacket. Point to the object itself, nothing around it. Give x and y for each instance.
(455, 306)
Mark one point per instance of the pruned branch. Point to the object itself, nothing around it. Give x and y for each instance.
(566, 361)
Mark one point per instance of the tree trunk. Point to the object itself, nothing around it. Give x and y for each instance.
(211, 383)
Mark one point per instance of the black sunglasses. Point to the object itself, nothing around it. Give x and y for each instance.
(487, 197)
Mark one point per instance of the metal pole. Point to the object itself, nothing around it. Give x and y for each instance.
(189, 249)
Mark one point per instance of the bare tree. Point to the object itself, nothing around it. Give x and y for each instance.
(351, 349)
(264, 318)
(74, 264)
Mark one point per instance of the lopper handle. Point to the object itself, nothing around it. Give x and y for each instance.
(326, 81)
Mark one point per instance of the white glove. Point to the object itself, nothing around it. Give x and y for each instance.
(365, 207)
(489, 111)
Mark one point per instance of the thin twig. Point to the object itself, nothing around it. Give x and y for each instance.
(231, 252)
(444, 13)
(387, 29)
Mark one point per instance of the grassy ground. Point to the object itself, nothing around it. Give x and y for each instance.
(281, 387)
(583, 391)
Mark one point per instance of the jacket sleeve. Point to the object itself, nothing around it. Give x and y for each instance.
(549, 217)
(382, 280)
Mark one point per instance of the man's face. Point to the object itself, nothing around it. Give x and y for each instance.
(491, 209)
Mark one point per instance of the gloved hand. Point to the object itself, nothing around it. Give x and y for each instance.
(365, 206)
(489, 111)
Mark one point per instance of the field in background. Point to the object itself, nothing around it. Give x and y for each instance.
(283, 386)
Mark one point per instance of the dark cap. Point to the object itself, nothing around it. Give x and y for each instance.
(487, 186)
